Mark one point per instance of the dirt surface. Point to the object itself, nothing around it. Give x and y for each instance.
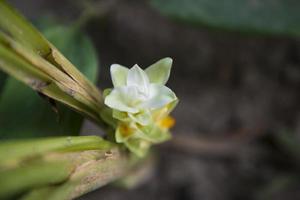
(238, 94)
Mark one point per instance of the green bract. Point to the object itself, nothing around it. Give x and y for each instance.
(136, 98)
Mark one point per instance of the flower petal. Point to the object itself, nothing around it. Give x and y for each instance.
(137, 77)
(106, 92)
(161, 113)
(119, 115)
(159, 72)
(120, 99)
(160, 96)
(138, 146)
(118, 75)
(155, 134)
(144, 118)
(124, 132)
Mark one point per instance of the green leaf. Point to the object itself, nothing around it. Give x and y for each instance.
(279, 17)
(24, 114)
(3, 77)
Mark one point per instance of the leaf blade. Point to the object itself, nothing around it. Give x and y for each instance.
(278, 17)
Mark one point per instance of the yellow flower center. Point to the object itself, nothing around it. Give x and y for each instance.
(125, 130)
(166, 123)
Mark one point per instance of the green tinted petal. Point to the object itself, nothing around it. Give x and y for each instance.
(159, 72)
(125, 131)
(144, 118)
(118, 75)
(153, 134)
(119, 115)
(106, 92)
(157, 135)
(119, 136)
(164, 111)
(138, 146)
(172, 105)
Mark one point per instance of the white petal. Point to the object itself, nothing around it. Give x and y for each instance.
(137, 77)
(121, 98)
(160, 96)
(159, 72)
(118, 75)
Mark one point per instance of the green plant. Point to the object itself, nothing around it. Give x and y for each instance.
(271, 17)
(67, 166)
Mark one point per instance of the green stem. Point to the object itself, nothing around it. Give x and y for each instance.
(13, 152)
(75, 165)
(87, 177)
(31, 175)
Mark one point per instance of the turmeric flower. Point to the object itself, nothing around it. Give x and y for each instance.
(136, 100)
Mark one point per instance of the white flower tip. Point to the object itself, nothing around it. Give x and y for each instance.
(159, 72)
(137, 76)
(136, 67)
(114, 67)
(168, 61)
(118, 74)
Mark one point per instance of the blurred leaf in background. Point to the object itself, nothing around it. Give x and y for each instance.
(24, 114)
(3, 77)
(279, 17)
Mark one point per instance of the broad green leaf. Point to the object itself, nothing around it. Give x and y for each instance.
(3, 78)
(265, 16)
(24, 114)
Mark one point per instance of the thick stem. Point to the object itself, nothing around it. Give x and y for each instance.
(95, 169)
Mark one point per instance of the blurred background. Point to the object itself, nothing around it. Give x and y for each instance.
(237, 74)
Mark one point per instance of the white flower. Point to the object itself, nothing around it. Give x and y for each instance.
(138, 92)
